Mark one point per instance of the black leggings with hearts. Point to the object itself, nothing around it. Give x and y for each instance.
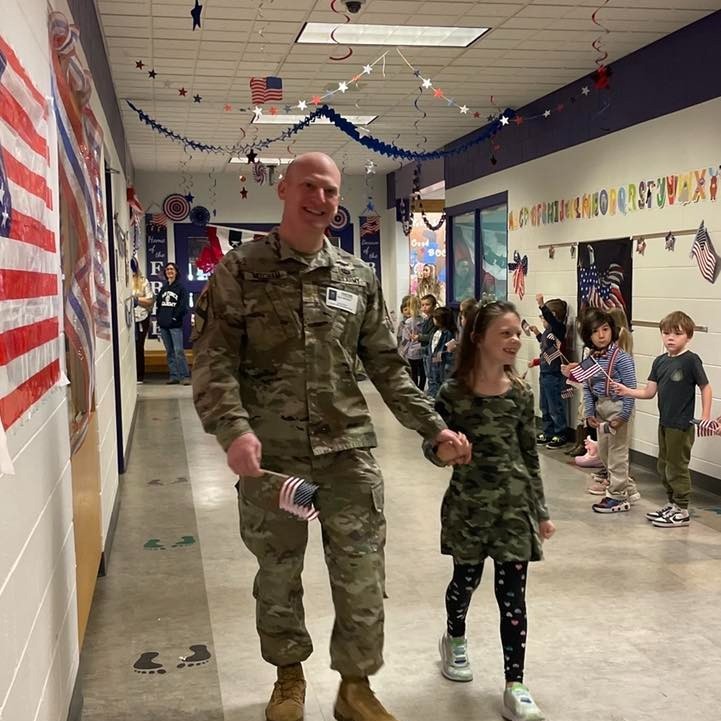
(510, 586)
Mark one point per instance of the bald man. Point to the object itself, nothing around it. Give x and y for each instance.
(277, 335)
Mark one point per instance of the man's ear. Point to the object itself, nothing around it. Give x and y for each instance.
(282, 189)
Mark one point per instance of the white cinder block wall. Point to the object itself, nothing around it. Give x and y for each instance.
(38, 612)
(663, 281)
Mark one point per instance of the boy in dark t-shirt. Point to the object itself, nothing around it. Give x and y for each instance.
(675, 375)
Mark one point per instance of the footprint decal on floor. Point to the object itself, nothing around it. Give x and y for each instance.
(200, 656)
(184, 541)
(153, 544)
(145, 663)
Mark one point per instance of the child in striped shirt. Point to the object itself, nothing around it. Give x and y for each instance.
(608, 412)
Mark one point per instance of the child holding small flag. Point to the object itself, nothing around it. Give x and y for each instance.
(606, 412)
(674, 376)
(552, 382)
(495, 505)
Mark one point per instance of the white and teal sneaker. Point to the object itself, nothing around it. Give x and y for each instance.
(454, 658)
(518, 704)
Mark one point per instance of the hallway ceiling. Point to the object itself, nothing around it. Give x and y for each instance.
(532, 48)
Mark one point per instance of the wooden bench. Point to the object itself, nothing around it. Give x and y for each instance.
(156, 361)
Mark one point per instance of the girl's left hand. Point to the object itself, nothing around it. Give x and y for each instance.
(451, 346)
(547, 529)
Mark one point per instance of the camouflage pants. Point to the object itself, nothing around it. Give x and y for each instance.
(350, 501)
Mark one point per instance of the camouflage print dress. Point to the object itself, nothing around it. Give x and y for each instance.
(493, 506)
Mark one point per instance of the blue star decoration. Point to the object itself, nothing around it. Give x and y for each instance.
(190, 197)
(197, 98)
(195, 12)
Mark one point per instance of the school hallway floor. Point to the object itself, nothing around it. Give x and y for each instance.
(623, 617)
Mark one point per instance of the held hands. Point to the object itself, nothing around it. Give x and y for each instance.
(547, 529)
(244, 455)
(566, 369)
(619, 389)
(453, 448)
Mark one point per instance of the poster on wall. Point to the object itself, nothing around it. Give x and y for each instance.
(29, 310)
(428, 258)
(604, 275)
(156, 255)
(370, 241)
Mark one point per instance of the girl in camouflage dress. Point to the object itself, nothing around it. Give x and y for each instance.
(495, 506)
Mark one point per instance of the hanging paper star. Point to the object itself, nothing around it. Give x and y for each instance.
(287, 108)
(437, 93)
(195, 13)
(197, 98)
(315, 100)
(552, 252)
(417, 73)
(189, 197)
(343, 87)
(559, 108)
(518, 120)
(585, 90)
(370, 168)
(227, 108)
(367, 69)
(273, 110)
(491, 118)
(139, 64)
(449, 101)
(427, 83)
(476, 114)
(243, 193)
(670, 241)
(252, 156)
(152, 73)
(547, 114)
(464, 109)
(302, 105)
(504, 120)
(258, 112)
(182, 91)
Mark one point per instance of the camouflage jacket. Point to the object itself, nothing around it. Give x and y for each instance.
(276, 340)
(500, 491)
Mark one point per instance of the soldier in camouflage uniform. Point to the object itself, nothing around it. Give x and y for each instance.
(494, 507)
(277, 335)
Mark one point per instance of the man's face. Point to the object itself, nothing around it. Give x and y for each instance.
(311, 193)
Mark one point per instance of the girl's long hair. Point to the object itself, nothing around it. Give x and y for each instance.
(625, 339)
(474, 330)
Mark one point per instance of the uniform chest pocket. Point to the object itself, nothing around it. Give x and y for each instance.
(271, 314)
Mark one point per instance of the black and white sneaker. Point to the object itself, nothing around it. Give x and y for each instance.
(675, 518)
(542, 439)
(660, 513)
(556, 442)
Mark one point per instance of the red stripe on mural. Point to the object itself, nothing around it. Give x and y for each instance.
(18, 341)
(17, 284)
(15, 404)
(23, 176)
(31, 231)
(15, 117)
(9, 53)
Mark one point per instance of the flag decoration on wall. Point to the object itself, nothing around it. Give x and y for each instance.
(263, 90)
(370, 241)
(519, 268)
(702, 250)
(604, 275)
(706, 429)
(29, 304)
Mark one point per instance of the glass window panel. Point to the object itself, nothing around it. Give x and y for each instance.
(464, 256)
(494, 241)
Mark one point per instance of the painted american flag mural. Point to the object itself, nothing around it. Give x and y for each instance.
(604, 275)
(29, 281)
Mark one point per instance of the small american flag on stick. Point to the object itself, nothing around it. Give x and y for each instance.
(702, 250)
(585, 369)
(567, 392)
(296, 498)
(706, 429)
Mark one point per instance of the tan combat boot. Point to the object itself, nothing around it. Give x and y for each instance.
(356, 702)
(286, 703)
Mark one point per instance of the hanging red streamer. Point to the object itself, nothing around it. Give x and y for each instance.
(332, 35)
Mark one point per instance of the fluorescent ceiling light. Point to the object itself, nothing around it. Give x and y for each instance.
(395, 35)
(265, 161)
(285, 119)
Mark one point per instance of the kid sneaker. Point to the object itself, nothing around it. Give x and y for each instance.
(518, 704)
(611, 505)
(542, 439)
(660, 513)
(675, 518)
(454, 658)
(634, 497)
(556, 442)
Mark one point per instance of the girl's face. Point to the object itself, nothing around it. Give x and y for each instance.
(170, 273)
(426, 307)
(426, 271)
(502, 340)
(406, 311)
(601, 336)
